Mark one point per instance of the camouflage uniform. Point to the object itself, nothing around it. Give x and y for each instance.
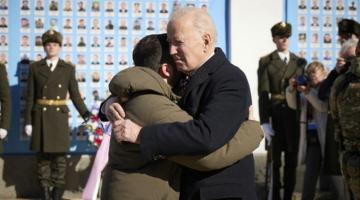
(345, 108)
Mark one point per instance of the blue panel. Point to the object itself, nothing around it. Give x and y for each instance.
(115, 46)
(315, 27)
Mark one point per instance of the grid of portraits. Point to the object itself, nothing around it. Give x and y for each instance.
(4, 32)
(98, 38)
(315, 27)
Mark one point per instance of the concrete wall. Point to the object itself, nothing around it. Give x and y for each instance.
(250, 37)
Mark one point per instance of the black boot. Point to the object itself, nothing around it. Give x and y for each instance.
(57, 193)
(46, 195)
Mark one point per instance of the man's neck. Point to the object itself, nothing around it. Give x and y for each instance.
(285, 51)
(204, 61)
(53, 58)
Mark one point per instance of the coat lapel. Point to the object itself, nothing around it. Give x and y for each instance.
(292, 66)
(204, 72)
(277, 62)
(57, 72)
(44, 70)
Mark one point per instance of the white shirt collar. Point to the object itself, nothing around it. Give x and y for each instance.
(54, 62)
(284, 55)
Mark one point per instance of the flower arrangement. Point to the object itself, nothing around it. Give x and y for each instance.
(95, 130)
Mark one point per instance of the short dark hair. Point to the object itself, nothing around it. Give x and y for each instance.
(152, 51)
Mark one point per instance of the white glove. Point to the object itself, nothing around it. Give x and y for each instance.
(3, 133)
(268, 131)
(28, 130)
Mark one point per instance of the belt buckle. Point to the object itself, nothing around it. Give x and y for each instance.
(51, 102)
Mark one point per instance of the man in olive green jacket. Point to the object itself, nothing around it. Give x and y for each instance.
(151, 101)
(46, 119)
(5, 104)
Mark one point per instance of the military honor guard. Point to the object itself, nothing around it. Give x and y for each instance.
(50, 80)
(5, 105)
(279, 122)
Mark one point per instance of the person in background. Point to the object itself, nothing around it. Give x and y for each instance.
(349, 31)
(313, 116)
(46, 114)
(278, 121)
(344, 105)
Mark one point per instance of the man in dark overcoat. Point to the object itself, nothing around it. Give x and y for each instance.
(47, 113)
(279, 122)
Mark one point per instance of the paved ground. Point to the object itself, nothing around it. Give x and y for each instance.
(260, 174)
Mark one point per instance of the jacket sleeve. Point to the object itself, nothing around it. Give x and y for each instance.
(319, 105)
(30, 98)
(218, 118)
(263, 91)
(245, 141)
(291, 98)
(333, 106)
(325, 86)
(75, 94)
(5, 100)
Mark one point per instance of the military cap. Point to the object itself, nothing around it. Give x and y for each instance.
(52, 36)
(282, 29)
(349, 26)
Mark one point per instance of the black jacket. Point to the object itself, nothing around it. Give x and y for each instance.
(218, 97)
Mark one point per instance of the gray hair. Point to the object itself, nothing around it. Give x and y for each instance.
(202, 21)
(351, 43)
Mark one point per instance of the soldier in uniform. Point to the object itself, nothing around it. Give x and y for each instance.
(50, 79)
(4, 105)
(349, 32)
(345, 105)
(279, 122)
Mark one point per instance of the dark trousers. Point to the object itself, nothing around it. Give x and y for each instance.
(313, 165)
(286, 140)
(289, 177)
(51, 169)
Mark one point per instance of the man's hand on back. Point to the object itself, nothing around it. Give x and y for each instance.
(126, 131)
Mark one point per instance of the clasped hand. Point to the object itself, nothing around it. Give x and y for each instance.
(124, 130)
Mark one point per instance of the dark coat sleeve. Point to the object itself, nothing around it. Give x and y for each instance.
(223, 107)
(4, 99)
(325, 86)
(263, 91)
(100, 113)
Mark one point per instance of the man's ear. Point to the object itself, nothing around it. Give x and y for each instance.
(164, 70)
(208, 40)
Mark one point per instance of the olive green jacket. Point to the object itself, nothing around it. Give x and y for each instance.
(152, 101)
(5, 101)
(50, 123)
(273, 78)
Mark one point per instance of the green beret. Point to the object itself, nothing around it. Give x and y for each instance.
(349, 26)
(52, 36)
(282, 29)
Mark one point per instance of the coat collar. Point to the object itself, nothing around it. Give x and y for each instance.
(209, 67)
(44, 69)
